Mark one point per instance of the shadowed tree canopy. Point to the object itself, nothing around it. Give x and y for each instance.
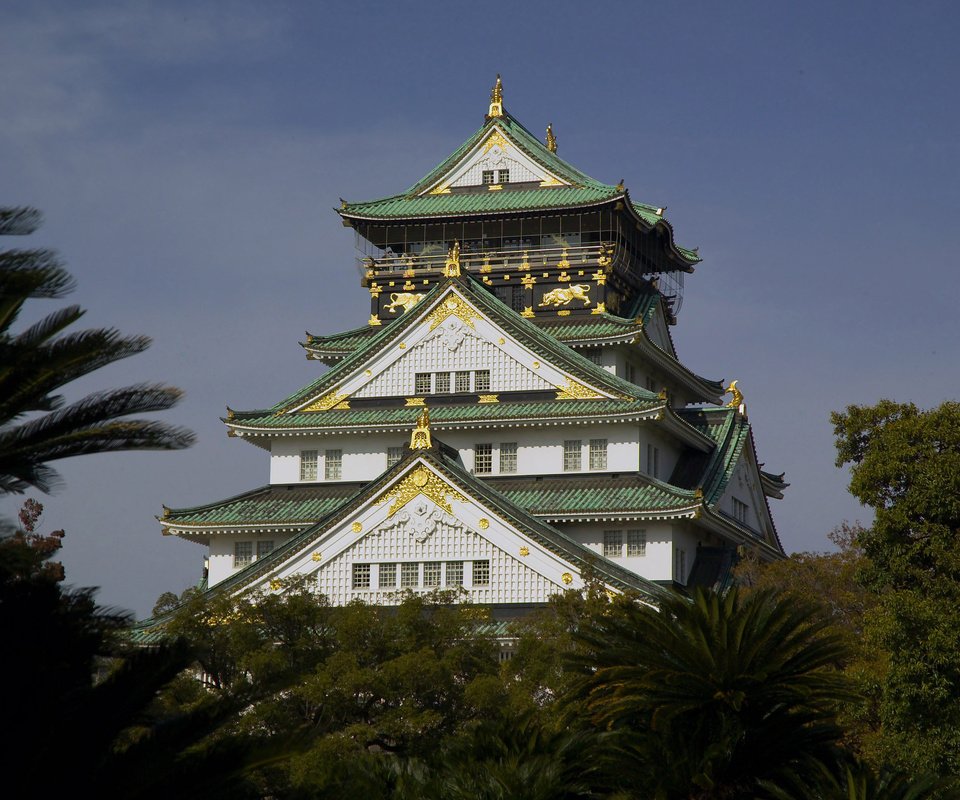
(37, 426)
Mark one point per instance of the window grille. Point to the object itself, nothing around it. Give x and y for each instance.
(409, 574)
(508, 457)
(388, 576)
(264, 547)
(431, 573)
(636, 543)
(596, 356)
(481, 573)
(739, 510)
(421, 383)
(571, 455)
(463, 382)
(333, 465)
(308, 465)
(242, 553)
(481, 380)
(394, 454)
(488, 176)
(598, 454)
(361, 576)
(442, 382)
(504, 176)
(653, 461)
(454, 573)
(613, 544)
(483, 459)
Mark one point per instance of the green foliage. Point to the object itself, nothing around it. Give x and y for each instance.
(36, 426)
(905, 465)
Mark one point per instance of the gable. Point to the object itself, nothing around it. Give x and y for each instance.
(419, 518)
(656, 329)
(743, 499)
(495, 153)
(453, 330)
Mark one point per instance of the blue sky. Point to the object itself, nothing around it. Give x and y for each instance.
(187, 157)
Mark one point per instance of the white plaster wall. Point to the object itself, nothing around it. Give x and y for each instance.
(220, 563)
(686, 538)
(669, 451)
(539, 451)
(656, 565)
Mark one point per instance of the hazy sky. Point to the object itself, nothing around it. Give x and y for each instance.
(188, 156)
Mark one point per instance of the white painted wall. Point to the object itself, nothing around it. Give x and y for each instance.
(656, 565)
(220, 562)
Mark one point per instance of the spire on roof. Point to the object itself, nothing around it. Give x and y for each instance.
(420, 437)
(496, 99)
(452, 267)
(551, 139)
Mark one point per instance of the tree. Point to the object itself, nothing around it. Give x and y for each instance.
(905, 465)
(716, 697)
(36, 426)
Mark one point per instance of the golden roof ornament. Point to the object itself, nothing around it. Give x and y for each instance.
(620, 185)
(420, 437)
(496, 99)
(551, 139)
(737, 401)
(452, 267)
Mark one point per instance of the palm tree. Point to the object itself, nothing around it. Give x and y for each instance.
(716, 697)
(38, 361)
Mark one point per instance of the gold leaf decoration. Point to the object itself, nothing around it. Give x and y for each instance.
(328, 401)
(524, 551)
(452, 306)
(356, 527)
(316, 556)
(489, 398)
(572, 390)
(420, 481)
(567, 578)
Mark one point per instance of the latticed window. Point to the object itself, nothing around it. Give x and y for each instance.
(598, 454)
(679, 565)
(421, 383)
(653, 461)
(508, 457)
(739, 510)
(333, 465)
(631, 373)
(442, 382)
(481, 573)
(431, 573)
(409, 574)
(361, 576)
(488, 177)
(308, 465)
(388, 576)
(394, 454)
(463, 382)
(454, 573)
(613, 544)
(571, 455)
(242, 553)
(596, 356)
(517, 300)
(636, 543)
(483, 459)
(504, 176)
(264, 547)
(481, 380)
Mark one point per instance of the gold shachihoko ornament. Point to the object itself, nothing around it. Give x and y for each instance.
(420, 437)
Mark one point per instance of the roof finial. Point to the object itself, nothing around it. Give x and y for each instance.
(620, 185)
(551, 139)
(420, 437)
(496, 99)
(452, 268)
(737, 401)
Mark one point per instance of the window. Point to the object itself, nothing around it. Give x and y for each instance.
(454, 573)
(482, 459)
(571, 455)
(613, 544)
(388, 576)
(442, 382)
(463, 382)
(598, 454)
(421, 383)
(242, 553)
(431, 573)
(361, 576)
(636, 543)
(481, 573)
(508, 456)
(481, 380)
(488, 176)
(653, 461)
(740, 510)
(651, 384)
(679, 565)
(409, 574)
(394, 454)
(504, 176)
(631, 373)
(596, 356)
(333, 465)
(308, 465)
(517, 302)
(264, 548)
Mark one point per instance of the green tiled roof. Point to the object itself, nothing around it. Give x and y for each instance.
(441, 415)
(340, 343)
(284, 505)
(528, 334)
